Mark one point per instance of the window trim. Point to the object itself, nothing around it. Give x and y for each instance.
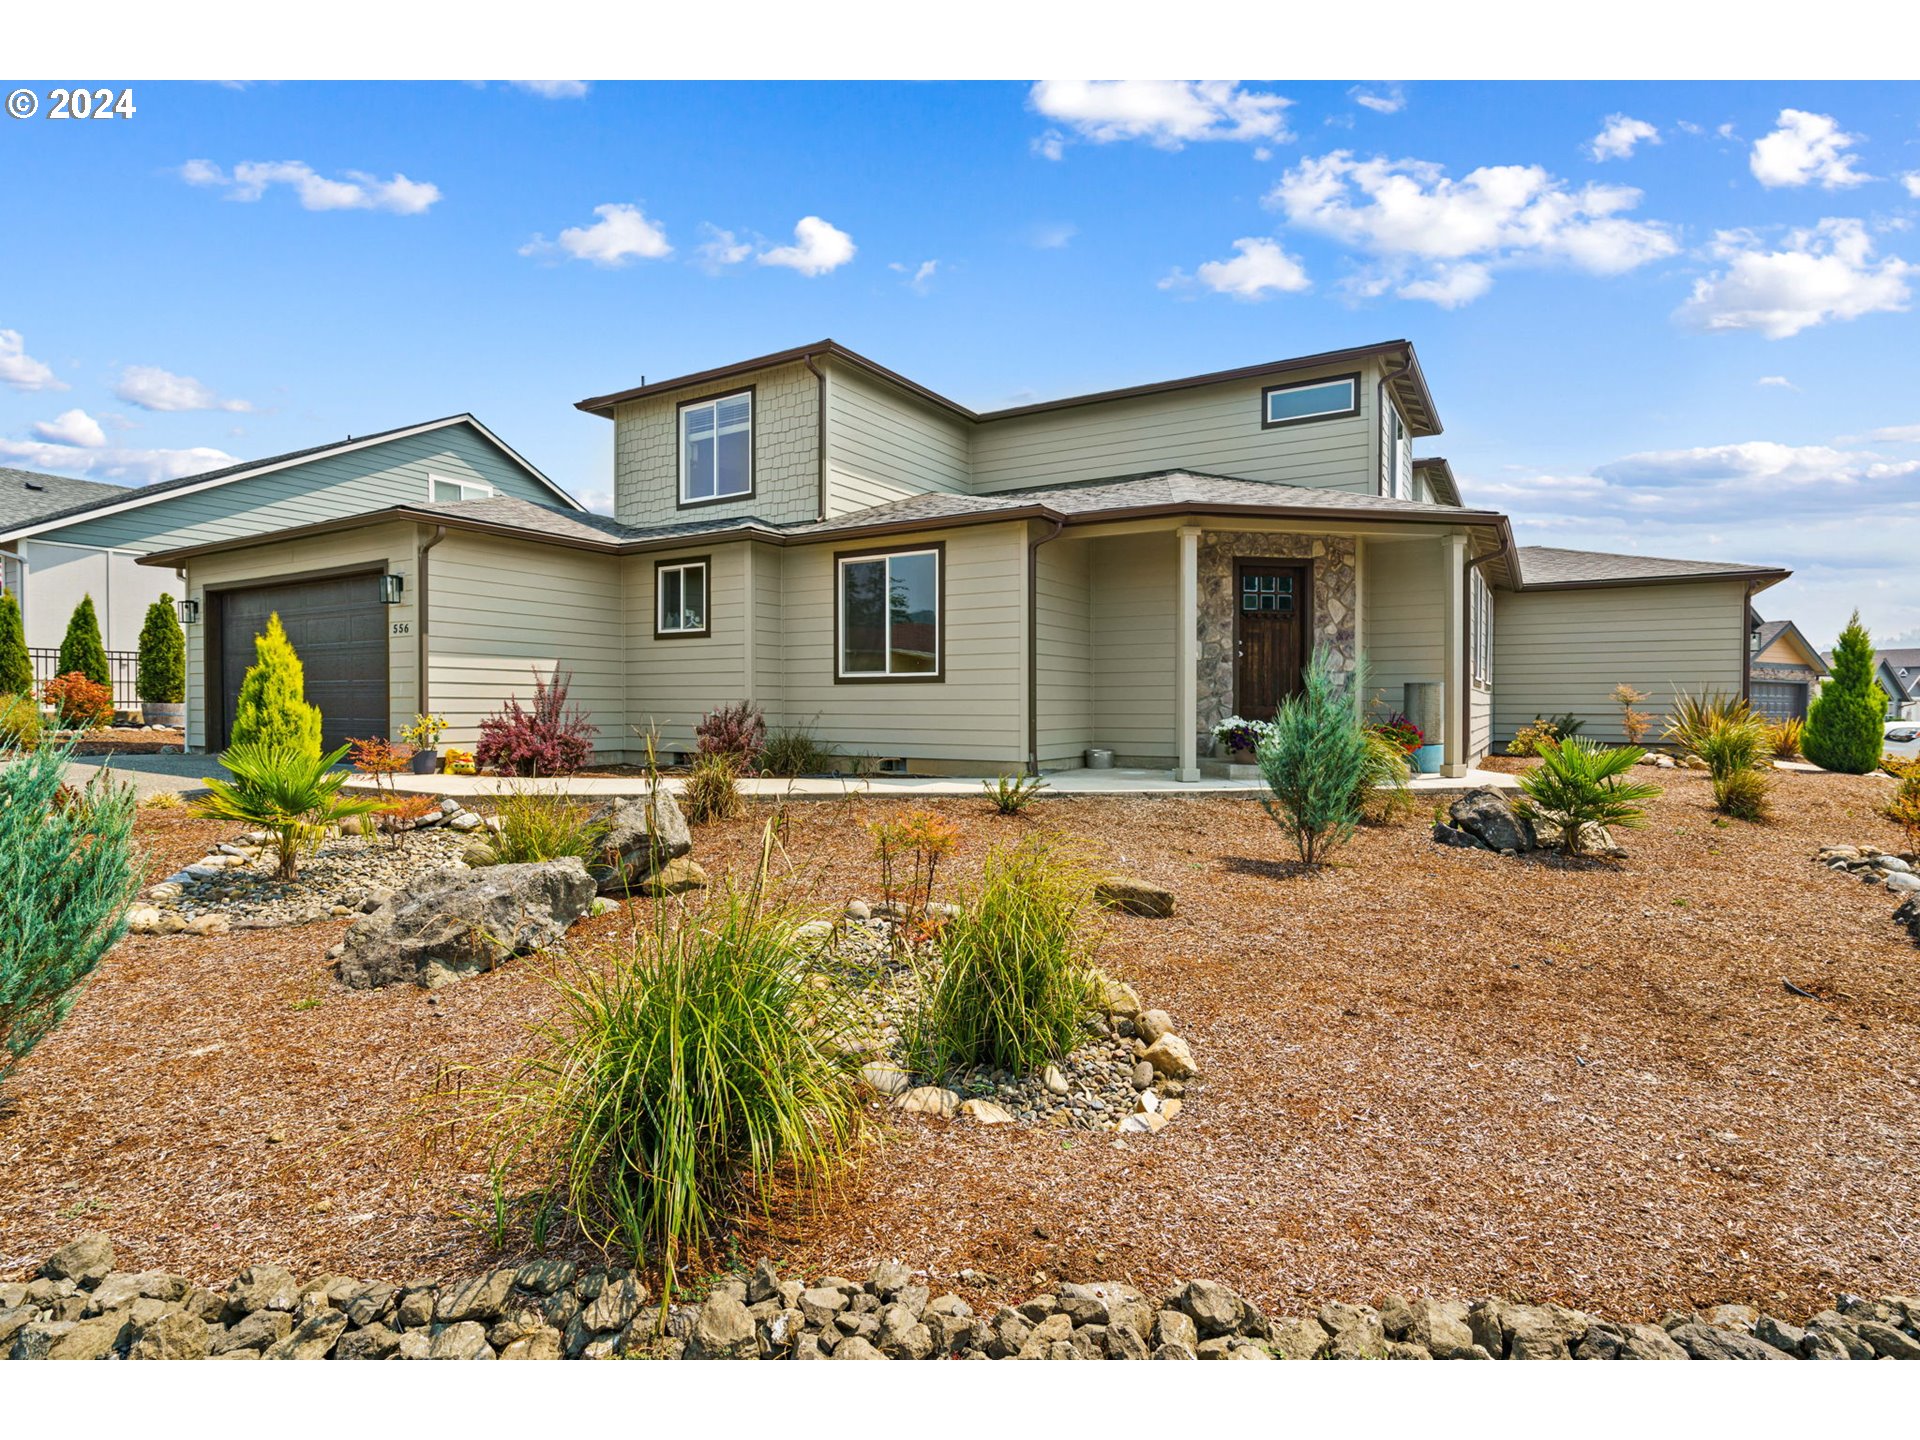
(1480, 631)
(681, 502)
(936, 548)
(1353, 380)
(685, 562)
(486, 489)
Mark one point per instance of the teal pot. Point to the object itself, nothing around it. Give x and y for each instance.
(1427, 759)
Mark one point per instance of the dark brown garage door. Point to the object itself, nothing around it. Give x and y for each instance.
(339, 629)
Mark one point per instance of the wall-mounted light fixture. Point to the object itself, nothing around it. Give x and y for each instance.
(391, 587)
(188, 610)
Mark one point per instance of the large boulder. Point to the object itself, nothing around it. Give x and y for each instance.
(1485, 814)
(462, 922)
(1909, 915)
(642, 833)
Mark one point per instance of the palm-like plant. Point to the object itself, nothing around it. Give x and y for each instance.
(1578, 783)
(287, 791)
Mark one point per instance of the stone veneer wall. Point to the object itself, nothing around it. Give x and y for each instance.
(1335, 605)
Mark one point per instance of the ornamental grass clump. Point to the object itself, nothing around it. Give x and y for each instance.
(1385, 789)
(1315, 761)
(538, 825)
(284, 790)
(1014, 984)
(684, 1079)
(68, 872)
(796, 751)
(1579, 783)
(713, 789)
(1735, 742)
(1785, 737)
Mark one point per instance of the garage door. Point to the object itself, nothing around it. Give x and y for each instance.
(338, 628)
(1780, 699)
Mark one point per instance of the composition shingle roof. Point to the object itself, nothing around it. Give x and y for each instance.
(27, 495)
(1548, 565)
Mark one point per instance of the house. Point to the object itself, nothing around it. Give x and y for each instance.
(1898, 672)
(61, 539)
(1786, 671)
(944, 590)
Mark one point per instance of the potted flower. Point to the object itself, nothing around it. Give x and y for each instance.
(1424, 758)
(424, 735)
(1238, 740)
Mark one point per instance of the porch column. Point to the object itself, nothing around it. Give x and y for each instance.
(1186, 657)
(1453, 623)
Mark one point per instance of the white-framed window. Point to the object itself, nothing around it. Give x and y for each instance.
(1480, 636)
(889, 615)
(1399, 456)
(716, 448)
(1308, 400)
(444, 490)
(680, 597)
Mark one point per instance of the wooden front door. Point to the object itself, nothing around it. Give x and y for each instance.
(1269, 635)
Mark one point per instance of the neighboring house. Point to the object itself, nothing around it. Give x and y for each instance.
(1786, 670)
(1898, 672)
(61, 539)
(950, 591)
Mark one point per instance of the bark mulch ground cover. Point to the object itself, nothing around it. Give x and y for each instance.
(110, 741)
(1427, 1070)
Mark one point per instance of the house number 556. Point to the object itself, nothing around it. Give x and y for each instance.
(402, 627)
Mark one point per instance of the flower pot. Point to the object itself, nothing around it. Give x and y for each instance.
(426, 762)
(172, 714)
(1427, 759)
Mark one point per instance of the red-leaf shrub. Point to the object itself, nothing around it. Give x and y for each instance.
(553, 738)
(737, 731)
(80, 703)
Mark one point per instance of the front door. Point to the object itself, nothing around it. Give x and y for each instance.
(1269, 635)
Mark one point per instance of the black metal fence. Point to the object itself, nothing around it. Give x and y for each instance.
(122, 665)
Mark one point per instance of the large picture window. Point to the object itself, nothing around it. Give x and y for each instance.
(1309, 400)
(716, 448)
(680, 598)
(889, 608)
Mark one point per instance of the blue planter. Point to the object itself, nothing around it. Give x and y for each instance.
(1427, 759)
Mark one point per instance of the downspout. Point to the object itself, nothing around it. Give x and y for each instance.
(1033, 644)
(1380, 427)
(1466, 624)
(420, 607)
(819, 436)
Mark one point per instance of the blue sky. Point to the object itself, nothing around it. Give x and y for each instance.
(1667, 318)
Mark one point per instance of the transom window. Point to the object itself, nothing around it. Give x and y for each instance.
(444, 491)
(1309, 400)
(890, 616)
(716, 448)
(1267, 594)
(681, 603)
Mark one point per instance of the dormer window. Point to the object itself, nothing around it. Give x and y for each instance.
(716, 448)
(1309, 400)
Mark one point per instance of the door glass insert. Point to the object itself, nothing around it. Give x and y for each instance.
(1267, 594)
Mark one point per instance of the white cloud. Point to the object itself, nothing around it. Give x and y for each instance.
(1826, 272)
(1165, 113)
(1052, 235)
(251, 179)
(152, 388)
(136, 467)
(1261, 269)
(598, 501)
(73, 427)
(1899, 434)
(1438, 239)
(919, 277)
(1806, 149)
(1390, 100)
(1777, 382)
(818, 248)
(553, 89)
(721, 247)
(1912, 182)
(21, 370)
(622, 233)
(1619, 136)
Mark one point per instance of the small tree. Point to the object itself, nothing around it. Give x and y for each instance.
(1314, 760)
(83, 649)
(163, 656)
(1579, 783)
(68, 871)
(1846, 725)
(272, 711)
(16, 668)
(292, 792)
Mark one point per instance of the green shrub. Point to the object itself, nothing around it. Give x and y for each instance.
(163, 656)
(286, 791)
(1314, 760)
(82, 649)
(1011, 794)
(16, 666)
(20, 723)
(68, 872)
(1847, 721)
(1735, 743)
(796, 752)
(713, 789)
(272, 711)
(537, 825)
(1014, 982)
(681, 1078)
(1578, 783)
(1904, 808)
(1744, 794)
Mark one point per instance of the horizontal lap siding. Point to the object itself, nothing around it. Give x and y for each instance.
(1212, 428)
(1480, 732)
(1404, 621)
(389, 547)
(1064, 658)
(672, 683)
(1134, 630)
(976, 714)
(1565, 650)
(883, 446)
(504, 611)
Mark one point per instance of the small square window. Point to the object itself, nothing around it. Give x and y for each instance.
(680, 603)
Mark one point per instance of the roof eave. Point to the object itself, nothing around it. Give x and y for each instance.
(1763, 577)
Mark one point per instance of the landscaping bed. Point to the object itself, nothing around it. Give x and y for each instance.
(1428, 1071)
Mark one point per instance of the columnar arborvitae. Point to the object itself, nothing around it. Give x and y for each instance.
(83, 649)
(16, 668)
(272, 708)
(163, 656)
(1846, 726)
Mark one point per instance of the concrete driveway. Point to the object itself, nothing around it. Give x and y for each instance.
(148, 774)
